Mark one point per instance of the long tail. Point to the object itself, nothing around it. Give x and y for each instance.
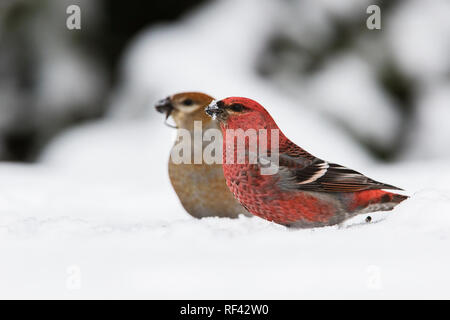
(375, 200)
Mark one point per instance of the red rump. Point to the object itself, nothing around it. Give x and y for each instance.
(363, 199)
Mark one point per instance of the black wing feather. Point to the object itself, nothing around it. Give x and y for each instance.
(314, 174)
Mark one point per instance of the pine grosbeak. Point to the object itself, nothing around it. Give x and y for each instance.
(201, 188)
(305, 191)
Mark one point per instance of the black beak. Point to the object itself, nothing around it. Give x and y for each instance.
(215, 109)
(165, 106)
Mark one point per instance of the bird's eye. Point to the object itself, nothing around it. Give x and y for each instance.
(188, 102)
(236, 107)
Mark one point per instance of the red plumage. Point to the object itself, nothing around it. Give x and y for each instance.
(306, 191)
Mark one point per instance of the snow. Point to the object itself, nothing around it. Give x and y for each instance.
(97, 217)
(100, 203)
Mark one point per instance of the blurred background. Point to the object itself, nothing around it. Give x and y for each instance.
(386, 91)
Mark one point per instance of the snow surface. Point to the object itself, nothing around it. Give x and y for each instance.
(100, 208)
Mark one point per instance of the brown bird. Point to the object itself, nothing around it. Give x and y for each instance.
(201, 188)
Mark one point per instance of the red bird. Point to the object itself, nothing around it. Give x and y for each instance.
(306, 191)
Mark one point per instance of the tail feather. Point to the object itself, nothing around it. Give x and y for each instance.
(375, 200)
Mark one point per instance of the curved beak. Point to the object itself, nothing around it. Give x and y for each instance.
(164, 106)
